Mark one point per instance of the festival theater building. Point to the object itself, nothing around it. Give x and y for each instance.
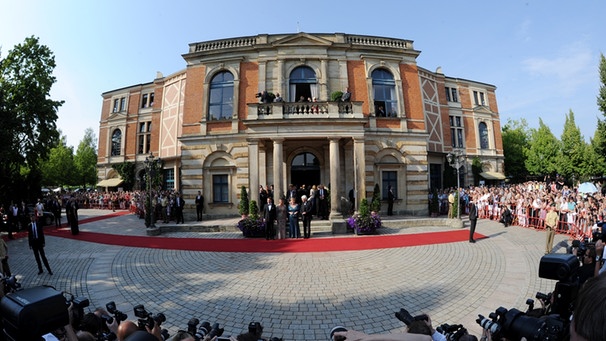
(214, 135)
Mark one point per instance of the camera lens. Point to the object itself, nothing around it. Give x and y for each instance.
(334, 330)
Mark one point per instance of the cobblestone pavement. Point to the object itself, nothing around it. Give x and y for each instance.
(296, 296)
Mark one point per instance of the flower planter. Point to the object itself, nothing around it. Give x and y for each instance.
(253, 233)
(362, 232)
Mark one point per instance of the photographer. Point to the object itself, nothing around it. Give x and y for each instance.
(599, 250)
(589, 320)
(352, 335)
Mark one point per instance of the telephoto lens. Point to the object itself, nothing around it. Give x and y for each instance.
(337, 337)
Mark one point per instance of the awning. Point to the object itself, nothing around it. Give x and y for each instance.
(114, 182)
(493, 176)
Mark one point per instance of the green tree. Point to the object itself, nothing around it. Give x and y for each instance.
(516, 136)
(602, 93)
(127, 173)
(542, 155)
(244, 205)
(58, 170)
(375, 204)
(85, 160)
(571, 161)
(27, 116)
(596, 152)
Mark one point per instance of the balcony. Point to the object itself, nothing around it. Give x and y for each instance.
(304, 110)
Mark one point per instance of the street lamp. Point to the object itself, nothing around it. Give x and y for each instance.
(151, 166)
(456, 159)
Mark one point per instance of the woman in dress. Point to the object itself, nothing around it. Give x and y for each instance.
(281, 218)
(293, 219)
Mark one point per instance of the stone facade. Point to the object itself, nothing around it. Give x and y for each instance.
(214, 135)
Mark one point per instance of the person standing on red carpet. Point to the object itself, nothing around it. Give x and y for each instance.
(306, 213)
(37, 243)
(473, 219)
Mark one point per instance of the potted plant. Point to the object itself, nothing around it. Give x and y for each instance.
(335, 96)
(243, 206)
(252, 226)
(364, 222)
(375, 204)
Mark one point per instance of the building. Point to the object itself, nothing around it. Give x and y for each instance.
(208, 124)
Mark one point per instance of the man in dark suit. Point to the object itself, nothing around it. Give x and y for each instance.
(322, 202)
(179, 204)
(306, 213)
(269, 216)
(391, 196)
(36, 243)
(473, 219)
(199, 205)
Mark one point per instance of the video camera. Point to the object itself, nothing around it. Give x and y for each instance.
(118, 315)
(204, 329)
(452, 332)
(554, 318)
(404, 316)
(147, 319)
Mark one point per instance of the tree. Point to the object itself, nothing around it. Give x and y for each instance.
(375, 203)
(542, 155)
(27, 114)
(596, 151)
(571, 162)
(85, 159)
(602, 94)
(516, 138)
(58, 170)
(244, 205)
(127, 173)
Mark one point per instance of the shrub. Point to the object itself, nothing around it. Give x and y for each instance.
(243, 205)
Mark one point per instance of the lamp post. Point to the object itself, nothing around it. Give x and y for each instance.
(151, 165)
(456, 159)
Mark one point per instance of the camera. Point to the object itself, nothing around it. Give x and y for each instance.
(334, 337)
(258, 94)
(147, 319)
(118, 315)
(452, 332)
(553, 320)
(204, 329)
(404, 316)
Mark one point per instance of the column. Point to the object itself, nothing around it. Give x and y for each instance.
(334, 178)
(253, 170)
(359, 169)
(277, 170)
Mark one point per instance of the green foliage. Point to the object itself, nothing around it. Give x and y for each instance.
(27, 114)
(602, 91)
(58, 170)
(336, 96)
(455, 206)
(243, 206)
(572, 157)
(596, 152)
(516, 136)
(375, 204)
(476, 169)
(253, 210)
(85, 160)
(542, 156)
(127, 173)
(364, 210)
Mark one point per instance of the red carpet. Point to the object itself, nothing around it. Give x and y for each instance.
(351, 243)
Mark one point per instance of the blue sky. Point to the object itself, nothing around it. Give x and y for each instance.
(542, 56)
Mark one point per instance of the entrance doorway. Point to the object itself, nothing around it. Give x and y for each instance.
(305, 170)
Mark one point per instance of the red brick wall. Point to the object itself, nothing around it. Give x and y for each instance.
(249, 78)
(413, 100)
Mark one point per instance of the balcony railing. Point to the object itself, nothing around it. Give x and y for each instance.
(304, 110)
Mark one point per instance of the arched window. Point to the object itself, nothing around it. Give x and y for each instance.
(303, 83)
(221, 99)
(384, 88)
(116, 142)
(483, 131)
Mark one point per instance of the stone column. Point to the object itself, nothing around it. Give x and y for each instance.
(336, 219)
(359, 170)
(253, 170)
(277, 169)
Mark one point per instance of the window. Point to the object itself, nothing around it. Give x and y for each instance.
(384, 88)
(169, 178)
(451, 95)
(303, 83)
(116, 142)
(483, 132)
(456, 131)
(220, 105)
(478, 98)
(147, 100)
(116, 103)
(389, 178)
(123, 104)
(119, 104)
(144, 138)
(220, 188)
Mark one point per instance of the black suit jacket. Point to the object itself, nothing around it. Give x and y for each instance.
(33, 242)
(307, 207)
(269, 213)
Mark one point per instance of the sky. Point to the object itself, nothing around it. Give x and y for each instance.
(543, 56)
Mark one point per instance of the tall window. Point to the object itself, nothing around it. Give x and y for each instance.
(479, 98)
(169, 179)
(389, 178)
(303, 83)
(116, 142)
(451, 95)
(123, 104)
(221, 103)
(384, 88)
(483, 132)
(147, 100)
(456, 131)
(144, 137)
(220, 188)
